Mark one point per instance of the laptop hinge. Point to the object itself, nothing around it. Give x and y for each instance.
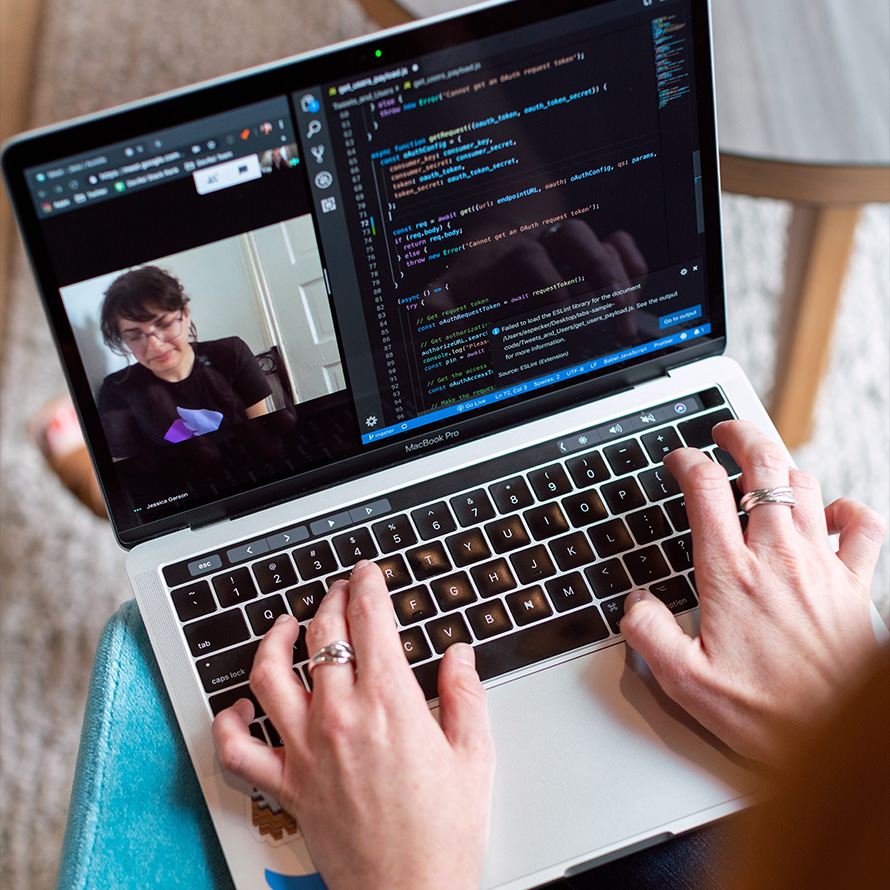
(216, 519)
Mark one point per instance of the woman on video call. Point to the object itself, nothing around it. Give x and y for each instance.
(179, 387)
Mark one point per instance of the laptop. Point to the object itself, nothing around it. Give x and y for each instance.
(459, 286)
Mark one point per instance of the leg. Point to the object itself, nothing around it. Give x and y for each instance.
(820, 240)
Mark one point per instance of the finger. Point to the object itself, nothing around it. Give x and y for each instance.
(272, 678)
(463, 714)
(242, 754)
(573, 246)
(710, 505)
(809, 513)
(328, 626)
(861, 532)
(651, 630)
(633, 261)
(372, 626)
(764, 465)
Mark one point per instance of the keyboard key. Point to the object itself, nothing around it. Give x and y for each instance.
(660, 442)
(338, 576)
(696, 431)
(275, 573)
(226, 699)
(676, 510)
(274, 736)
(427, 676)
(726, 460)
(428, 561)
(507, 534)
(614, 612)
(550, 482)
(453, 591)
(625, 457)
(588, 470)
(539, 641)
(354, 546)
(489, 619)
(659, 484)
(301, 653)
(610, 538)
(675, 593)
(545, 521)
(608, 578)
(679, 552)
(623, 495)
(448, 630)
(648, 525)
(533, 564)
(234, 587)
(228, 668)
(467, 547)
(512, 494)
(568, 592)
(394, 533)
(585, 508)
(433, 521)
(305, 600)
(413, 605)
(493, 577)
(415, 645)
(315, 560)
(528, 606)
(572, 551)
(217, 632)
(262, 613)
(473, 507)
(395, 572)
(193, 601)
(646, 565)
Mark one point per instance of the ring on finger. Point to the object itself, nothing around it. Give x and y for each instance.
(338, 652)
(783, 496)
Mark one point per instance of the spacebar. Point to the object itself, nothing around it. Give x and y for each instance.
(524, 647)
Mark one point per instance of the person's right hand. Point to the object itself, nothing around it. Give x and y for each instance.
(785, 621)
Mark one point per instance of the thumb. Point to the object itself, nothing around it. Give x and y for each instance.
(650, 628)
(463, 714)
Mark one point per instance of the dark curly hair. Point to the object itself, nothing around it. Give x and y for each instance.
(129, 297)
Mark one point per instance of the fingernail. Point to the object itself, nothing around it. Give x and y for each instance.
(464, 653)
(633, 598)
(360, 565)
(282, 619)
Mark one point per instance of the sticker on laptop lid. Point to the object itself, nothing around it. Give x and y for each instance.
(269, 821)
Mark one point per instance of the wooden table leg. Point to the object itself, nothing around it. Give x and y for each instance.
(820, 241)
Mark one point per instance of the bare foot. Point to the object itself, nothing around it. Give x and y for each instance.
(55, 431)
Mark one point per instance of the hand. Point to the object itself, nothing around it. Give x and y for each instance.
(386, 798)
(785, 622)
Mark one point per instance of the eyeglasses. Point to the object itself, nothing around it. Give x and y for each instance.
(137, 341)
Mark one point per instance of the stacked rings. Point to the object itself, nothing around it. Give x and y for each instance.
(338, 652)
(782, 495)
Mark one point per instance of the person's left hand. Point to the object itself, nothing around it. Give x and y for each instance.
(385, 796)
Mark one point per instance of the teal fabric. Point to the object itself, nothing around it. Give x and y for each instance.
(137, 817)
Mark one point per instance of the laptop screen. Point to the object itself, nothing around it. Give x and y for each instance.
(347, 260)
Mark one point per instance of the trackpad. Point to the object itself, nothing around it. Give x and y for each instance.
(591, 754)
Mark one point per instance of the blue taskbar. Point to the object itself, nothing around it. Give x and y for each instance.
(510, 392)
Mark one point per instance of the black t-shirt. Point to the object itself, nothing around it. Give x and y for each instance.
(140, 411)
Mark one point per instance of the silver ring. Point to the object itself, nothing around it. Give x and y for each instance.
(338, 652)
(782, 495)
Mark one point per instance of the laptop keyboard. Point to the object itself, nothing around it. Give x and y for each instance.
(528, 566)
